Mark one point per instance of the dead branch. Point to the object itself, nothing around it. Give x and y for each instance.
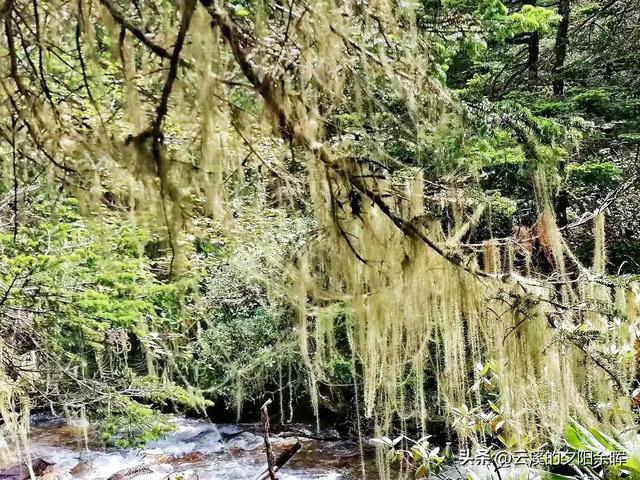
(264, 413)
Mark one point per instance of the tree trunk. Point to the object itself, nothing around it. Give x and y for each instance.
(561, 46)
(562, 43)
(533, 59)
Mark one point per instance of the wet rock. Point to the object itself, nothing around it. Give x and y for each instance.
(80, 470)
(229, 435)
(50, 475)
(131, 472)
(189, 437)
(245, 441)
(192, 457)
(61, 431)
(21, 472)
(299, 430)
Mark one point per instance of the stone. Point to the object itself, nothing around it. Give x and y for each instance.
(131, 472)
(191, 457)
(21, 472)
(80, 470)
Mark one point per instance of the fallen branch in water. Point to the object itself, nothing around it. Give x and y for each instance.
(281, 460)
(267, 443)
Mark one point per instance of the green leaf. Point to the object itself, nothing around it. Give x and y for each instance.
(580, 438)
(572, 438)
(632, 465)
(608, 442)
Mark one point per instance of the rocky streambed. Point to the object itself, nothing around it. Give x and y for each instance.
(197, 449)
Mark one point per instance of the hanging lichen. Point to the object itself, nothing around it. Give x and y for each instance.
(337, 112)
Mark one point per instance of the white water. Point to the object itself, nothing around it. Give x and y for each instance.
(197, 447)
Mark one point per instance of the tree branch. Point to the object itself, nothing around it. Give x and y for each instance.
(139, 34)
(263, 85)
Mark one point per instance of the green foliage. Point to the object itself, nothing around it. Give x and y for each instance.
(423, 458)
(530, 19)
(633, 138)
(550, 107)
(126, 423)
(92, 277)
(486, 420)
(245, 336)
(599, 174)
(243, 341)
(165, 394)
(499, 24)
(89, 296)
(580, 438)
(596, 102)
(339, 369)
(498, 149)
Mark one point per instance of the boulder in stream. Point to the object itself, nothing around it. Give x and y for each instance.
(191, 457)
(81, 469)
(131, 472)
(21, 472)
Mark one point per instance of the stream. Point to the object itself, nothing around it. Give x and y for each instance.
(197, 449)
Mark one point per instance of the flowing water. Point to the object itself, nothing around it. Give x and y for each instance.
(196, 449)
